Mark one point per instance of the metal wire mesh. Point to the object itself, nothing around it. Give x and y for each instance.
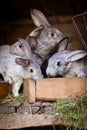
(80, 25)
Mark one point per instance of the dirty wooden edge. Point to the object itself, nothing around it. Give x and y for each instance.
(14, 121)
(17, 121)
(35, 90)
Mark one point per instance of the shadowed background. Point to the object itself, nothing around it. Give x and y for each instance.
(15, 20)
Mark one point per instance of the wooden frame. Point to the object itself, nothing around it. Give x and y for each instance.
(51, 89)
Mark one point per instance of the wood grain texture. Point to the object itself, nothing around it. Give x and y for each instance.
(14, 121)
(56, 88)
(4, 88)
(29, 90)
(51, 89)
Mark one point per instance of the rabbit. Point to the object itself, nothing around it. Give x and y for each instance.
(43, 58)
(15, 68)
(68, 63)
(47, 36)
(16, 48)
(20, 47)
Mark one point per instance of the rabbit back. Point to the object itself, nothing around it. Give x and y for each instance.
(4, 48)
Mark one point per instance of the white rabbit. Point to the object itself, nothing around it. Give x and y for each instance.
(14, 69)
(68, 63)
(47, 37)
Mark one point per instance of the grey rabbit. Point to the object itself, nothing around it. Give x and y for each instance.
(19, 48)
(22, 44)
(68, 63)
(15, 68)
(13, 48)
(47, 36)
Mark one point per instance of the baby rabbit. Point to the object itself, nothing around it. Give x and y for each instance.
(17, 48)
(14, 69)
(47, 36)
(68, 63)
(22, 44)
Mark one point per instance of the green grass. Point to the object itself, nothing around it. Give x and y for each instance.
(72, 111)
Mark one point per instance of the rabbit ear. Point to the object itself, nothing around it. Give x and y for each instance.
(22, 62)
(25, 47)
(63, 44)
(36, 32)
(32, 41)
(75, 55)
(39, 18)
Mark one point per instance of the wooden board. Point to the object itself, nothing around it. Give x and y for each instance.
(51, 89)
(29, 92)
(4, 88)
(16, 121)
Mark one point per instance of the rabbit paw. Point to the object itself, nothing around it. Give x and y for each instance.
(81, 74)
(16, 94)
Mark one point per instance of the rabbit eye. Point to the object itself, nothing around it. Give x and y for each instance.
(20, 45)
(58, 63)
(52, 34)
(31, 70)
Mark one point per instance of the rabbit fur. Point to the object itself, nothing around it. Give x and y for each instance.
(68, 63)
(15, 68)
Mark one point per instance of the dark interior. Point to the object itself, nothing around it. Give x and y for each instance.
(18, 9)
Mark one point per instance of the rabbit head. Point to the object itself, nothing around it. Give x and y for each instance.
(17, 48)
(30, 68)
(49, 36)
(21, 47)
(66, 63)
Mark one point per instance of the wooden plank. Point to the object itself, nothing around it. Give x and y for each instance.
(16, 121)
(4, 88)
(29, 90)
(56, 88)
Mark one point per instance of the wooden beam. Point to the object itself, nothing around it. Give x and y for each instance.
(56, 88)
(16, 121)
(51, 89)
(29, 90)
